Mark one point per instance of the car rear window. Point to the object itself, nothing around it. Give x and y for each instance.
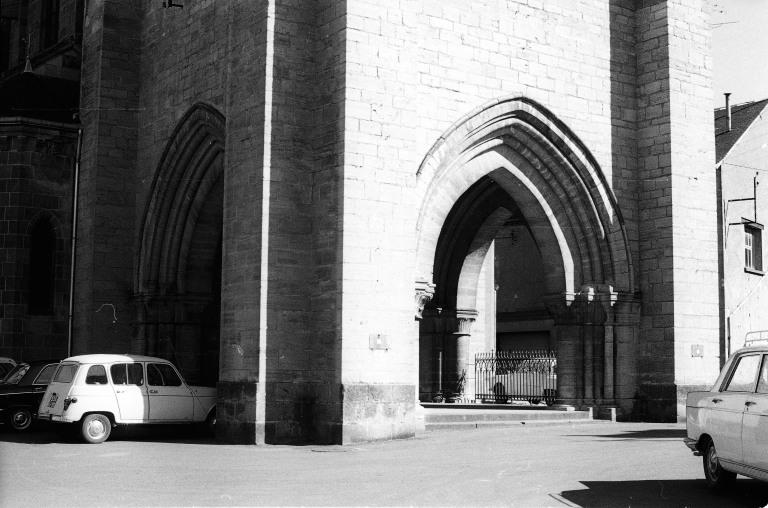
(46, 374)
(66, 372)
(15, 376)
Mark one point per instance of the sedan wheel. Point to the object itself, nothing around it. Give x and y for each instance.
(717, 477)
(20, 419)
(95, 428)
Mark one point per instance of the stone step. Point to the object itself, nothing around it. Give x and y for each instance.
(458, 417)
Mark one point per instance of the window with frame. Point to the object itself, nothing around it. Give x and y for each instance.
(127, 374)
(744, 374)
(753, 248)
(97, 375)
(162, 374)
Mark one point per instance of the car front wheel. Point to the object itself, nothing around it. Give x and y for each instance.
(717, 477)
(95, 428)
(20, 419)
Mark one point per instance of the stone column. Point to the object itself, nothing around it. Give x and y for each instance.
(464, 320)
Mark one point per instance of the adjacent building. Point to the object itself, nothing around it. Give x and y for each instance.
(741, 135)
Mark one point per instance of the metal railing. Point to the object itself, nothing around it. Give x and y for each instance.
(504, 376)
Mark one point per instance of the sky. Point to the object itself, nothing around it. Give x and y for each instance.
(740, 50)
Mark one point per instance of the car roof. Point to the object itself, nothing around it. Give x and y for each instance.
(112, 358)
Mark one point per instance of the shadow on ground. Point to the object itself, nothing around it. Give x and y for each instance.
(640, 434)
(667, 494)
(42, 433)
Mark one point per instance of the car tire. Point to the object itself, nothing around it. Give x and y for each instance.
(717, 477)
(210, 422)
(20, 419)
(95, 428)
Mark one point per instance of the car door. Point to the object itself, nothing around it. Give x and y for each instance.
(169, 397)
(754, 434)
(727, 407)
(130, 391)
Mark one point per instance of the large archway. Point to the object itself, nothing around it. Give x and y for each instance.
(178, 279)
(509, 166)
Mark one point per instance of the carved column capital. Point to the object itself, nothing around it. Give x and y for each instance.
(464, 320)
(425, 290)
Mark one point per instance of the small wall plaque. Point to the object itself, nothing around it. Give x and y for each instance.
(378, 341)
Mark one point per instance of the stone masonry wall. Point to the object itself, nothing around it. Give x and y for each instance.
(109, 102)
(678, 249)
(36, 167)
(415, 68)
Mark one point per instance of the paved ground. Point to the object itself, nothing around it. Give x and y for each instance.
(589, 465)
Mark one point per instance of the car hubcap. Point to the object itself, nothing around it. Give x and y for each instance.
(96, 428)
(20, 420)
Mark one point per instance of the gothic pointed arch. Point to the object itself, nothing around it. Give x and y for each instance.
(513, 165)
(178, 274)
(555, 181)
(189, 168)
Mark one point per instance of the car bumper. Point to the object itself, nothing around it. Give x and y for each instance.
(692, 444)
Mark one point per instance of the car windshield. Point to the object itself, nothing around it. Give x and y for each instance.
(16, 374)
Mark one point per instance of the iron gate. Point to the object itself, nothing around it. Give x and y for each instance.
(504, 376)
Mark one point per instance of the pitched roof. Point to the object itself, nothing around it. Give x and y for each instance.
(742, 116)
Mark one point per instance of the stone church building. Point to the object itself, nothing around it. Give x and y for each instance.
(325, 208)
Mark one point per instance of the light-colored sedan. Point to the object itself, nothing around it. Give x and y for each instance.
(728, 425)
(99, 391)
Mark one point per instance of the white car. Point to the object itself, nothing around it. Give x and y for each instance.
(99, 391)
(728, 425)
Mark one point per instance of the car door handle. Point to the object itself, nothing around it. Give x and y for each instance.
(715, 401)
(153, 391)
(750, 403)
(119, 391)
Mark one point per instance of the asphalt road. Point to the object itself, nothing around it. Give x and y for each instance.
(589, 465)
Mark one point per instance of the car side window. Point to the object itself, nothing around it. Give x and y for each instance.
(127, 374)
(162, 374)
(45, 375)
(97, 375)
(744, 375)
(119, 374)
(135, 374)
(762, 381)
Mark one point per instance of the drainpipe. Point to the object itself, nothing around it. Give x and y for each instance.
(727, 111)
(73, 253)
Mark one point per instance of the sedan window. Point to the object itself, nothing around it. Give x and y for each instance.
(744, 375)
(162, 374)
(762, 382)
